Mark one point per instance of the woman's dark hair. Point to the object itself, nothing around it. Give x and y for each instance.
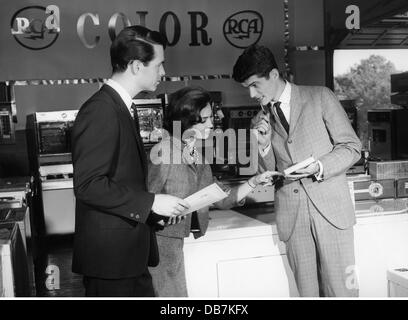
(134, 43)
(255, 60)
(185, 106)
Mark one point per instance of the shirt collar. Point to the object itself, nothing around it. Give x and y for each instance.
(285, 96)
(127, 99)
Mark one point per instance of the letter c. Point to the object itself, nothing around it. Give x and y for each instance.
(81, 27)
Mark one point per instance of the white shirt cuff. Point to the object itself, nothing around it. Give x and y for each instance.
(264, 152)
(319, 175)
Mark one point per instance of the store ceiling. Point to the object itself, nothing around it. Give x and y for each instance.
(386, 33)
(384, 24)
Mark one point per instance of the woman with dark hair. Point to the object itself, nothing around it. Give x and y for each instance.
(177, 168)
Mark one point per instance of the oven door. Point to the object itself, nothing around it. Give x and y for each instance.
(54, 138)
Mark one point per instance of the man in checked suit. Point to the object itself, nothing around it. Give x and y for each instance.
(314, 210)
(115, 214)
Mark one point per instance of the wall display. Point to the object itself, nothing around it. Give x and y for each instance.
(70, 39)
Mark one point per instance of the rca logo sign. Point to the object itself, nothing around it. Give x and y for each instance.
(243, 28)
(36, 27)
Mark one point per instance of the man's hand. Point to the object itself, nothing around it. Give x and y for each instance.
(312, 168)
(169, 206)
(265, 178)
(261, 123)
(171, 221)
(175, 220)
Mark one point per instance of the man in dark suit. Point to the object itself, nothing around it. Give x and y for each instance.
(115, 214)
(314, 210)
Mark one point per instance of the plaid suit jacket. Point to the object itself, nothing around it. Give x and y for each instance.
(319, 127)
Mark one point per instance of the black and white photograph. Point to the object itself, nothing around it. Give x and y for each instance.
(204, 151)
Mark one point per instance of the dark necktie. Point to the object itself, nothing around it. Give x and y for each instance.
(281, 116)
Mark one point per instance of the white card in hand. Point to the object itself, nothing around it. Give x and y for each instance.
(205, 197)
(299, 165)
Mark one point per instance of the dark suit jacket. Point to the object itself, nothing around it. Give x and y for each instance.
(113, 238)
(320, 127)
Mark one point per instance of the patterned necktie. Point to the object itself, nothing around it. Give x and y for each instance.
(281, 116)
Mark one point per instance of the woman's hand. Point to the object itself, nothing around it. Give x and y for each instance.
(264, 178)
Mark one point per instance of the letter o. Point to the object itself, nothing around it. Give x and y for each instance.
(177, 28)
(113, 21)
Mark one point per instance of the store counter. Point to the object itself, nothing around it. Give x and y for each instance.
(238, 257)
(241, 255)
(381, 243)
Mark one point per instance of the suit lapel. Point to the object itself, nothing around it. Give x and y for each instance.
(125, 111)
(296, 108)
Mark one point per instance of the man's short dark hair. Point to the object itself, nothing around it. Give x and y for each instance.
(185, 106)
(134, 43)
(255, 60)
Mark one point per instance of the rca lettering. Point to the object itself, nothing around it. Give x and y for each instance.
(52, 23)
